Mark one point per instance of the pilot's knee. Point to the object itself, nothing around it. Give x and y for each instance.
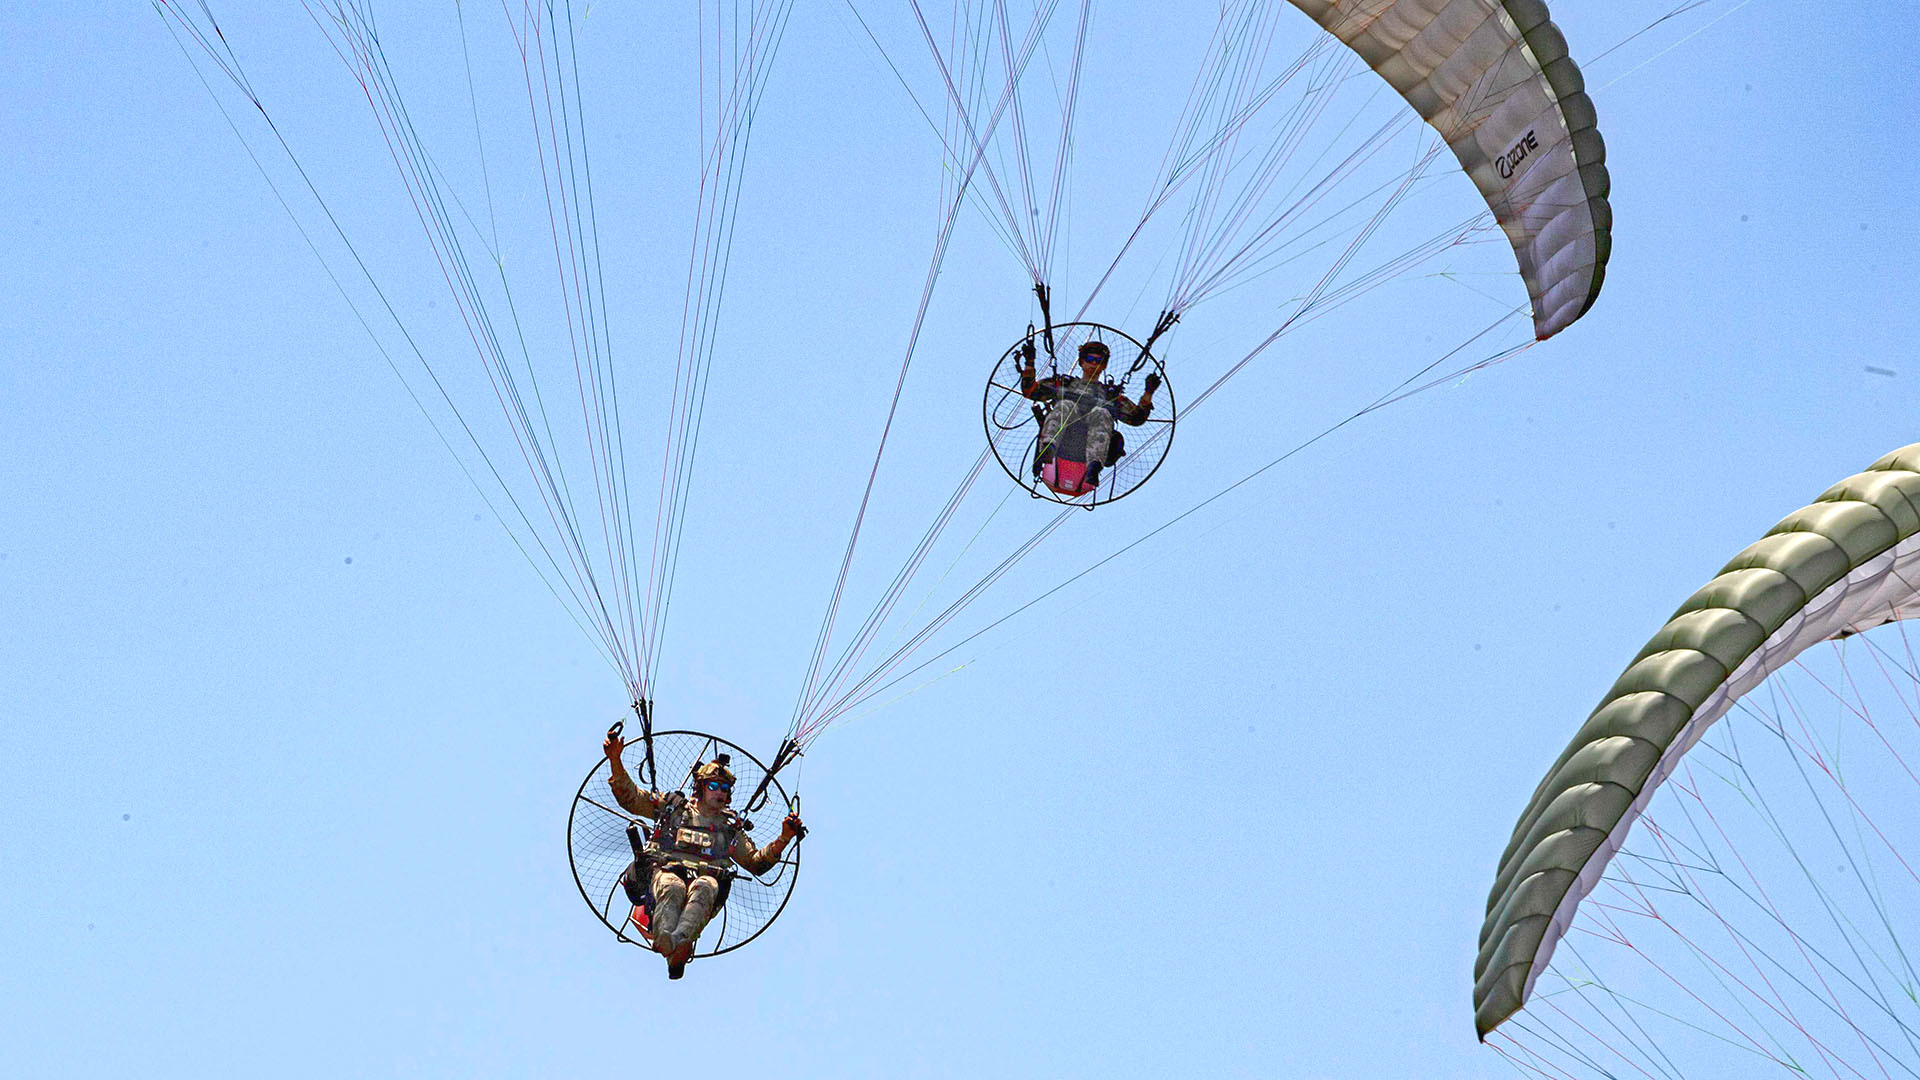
(669, 887)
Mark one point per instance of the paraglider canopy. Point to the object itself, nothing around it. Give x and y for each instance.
(1848, 562)
(1494, 78)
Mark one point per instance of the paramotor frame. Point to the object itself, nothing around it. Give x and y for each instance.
(1014, 422)
(598, 849)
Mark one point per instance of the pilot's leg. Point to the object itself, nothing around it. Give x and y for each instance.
(669, 897)
(1099, 435)
(699, 909)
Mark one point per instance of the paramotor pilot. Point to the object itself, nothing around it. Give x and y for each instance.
(1077, 413)
(683, 877)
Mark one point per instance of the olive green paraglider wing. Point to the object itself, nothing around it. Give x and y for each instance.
(1846, 563)
(1494, 79)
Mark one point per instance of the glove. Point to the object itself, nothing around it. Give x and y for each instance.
(1027, 352)
(1153, 381)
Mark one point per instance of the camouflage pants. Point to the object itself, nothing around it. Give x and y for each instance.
(1098, 427)
(680, 910)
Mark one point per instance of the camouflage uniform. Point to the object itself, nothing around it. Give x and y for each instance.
(1077, 398)
(688, 876)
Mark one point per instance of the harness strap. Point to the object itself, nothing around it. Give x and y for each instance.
(645, 709)
(1164, 324)
(1046, 318)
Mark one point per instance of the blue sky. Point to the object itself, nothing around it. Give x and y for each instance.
(288, 730)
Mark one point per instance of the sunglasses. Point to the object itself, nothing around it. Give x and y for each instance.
(718, 785)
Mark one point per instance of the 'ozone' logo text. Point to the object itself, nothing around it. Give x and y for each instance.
(1505, 163)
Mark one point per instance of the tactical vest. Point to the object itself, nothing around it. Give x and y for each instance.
(677, 839)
